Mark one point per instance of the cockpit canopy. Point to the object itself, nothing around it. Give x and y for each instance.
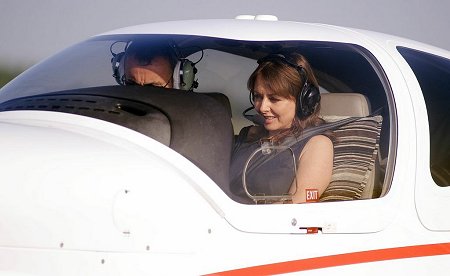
(84, 80)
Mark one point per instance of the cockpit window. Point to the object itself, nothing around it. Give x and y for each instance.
(87, 64)
(433, 75)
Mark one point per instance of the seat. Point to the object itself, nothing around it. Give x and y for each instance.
(344, 104)
(196, 125)
(222, 99)
(355, 174)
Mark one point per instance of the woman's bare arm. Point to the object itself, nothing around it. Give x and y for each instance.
(314, 169)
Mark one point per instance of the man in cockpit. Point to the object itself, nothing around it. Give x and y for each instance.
(154, 63)
(149, 64)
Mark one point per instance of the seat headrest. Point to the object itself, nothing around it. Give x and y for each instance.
(344, 104)
(223, 99)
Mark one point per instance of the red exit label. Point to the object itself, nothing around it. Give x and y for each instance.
(312, 195)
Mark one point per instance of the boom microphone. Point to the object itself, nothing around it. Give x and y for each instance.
(257, 119)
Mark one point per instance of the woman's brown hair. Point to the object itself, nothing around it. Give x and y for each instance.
(286, 81)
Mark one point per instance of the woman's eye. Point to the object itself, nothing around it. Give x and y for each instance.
(257, 97)
(274, 99)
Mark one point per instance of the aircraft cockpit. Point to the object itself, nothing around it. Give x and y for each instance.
(199, 123)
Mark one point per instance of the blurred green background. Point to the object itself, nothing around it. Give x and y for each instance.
(7, 74)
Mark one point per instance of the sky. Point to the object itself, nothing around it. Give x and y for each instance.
(32, 30)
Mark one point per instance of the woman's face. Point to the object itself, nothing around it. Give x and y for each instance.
(278, 112)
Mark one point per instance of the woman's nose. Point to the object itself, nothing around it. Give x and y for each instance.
(265, 104)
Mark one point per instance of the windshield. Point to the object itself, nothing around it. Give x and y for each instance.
(86, 64)
(222, 65)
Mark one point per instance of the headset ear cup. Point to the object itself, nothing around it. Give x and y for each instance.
(187, 73)
(307, 101)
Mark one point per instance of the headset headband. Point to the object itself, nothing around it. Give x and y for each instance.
(283, 59)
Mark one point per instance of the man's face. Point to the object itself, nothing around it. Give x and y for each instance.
(157, 73)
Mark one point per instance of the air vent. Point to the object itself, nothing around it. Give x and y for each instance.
(141, 117)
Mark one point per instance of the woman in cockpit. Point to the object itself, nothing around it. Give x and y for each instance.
(283, 159)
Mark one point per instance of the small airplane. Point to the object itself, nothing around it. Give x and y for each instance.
(99, 178)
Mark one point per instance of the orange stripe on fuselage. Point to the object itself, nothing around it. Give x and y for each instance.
(343, 259)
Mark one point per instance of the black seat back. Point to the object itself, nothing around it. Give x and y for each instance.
(195, 125)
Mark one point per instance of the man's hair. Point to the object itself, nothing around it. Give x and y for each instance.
(145, 51)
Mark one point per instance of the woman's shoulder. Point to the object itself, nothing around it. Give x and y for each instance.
(319, 146)
(251, 133)
(319, 143)
(321, 139)
(247, 136)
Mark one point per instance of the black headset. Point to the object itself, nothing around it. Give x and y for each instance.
(308, 98)
(183, 74)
